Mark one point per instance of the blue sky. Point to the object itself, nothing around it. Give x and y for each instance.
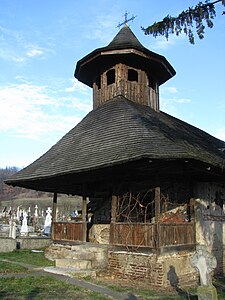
(41, 41)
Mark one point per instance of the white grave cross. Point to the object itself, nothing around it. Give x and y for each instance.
(205, 263)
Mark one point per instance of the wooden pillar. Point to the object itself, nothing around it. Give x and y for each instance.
(113, 209)
(113, 218)
(157, 203)
(157, 215)
(54, 207)
(84, 219)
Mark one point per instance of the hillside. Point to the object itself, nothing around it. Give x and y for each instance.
(25, 198)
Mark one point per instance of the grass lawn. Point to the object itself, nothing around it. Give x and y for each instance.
(36, 287)
(28, 257)
(8, 268)
(41, 286)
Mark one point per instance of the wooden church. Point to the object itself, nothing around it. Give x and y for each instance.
(155, 184)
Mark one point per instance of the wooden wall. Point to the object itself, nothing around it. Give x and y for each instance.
(142, 91)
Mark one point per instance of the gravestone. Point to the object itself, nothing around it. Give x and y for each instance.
(12, 228)
(48, 221)
(205, 263)
(24, 227)
(36, 211)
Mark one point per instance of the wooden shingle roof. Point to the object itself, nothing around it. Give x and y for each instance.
(118, 132)
(101, 58)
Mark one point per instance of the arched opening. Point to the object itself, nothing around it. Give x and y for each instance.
(110, 76)
(132, 75)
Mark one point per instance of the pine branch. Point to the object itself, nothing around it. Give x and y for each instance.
(198, 16)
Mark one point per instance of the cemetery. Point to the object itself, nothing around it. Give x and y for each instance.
(21, 229)
(152, 186)
(26, 225)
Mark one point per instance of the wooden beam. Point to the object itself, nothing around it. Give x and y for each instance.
(157, 215)
(157, 203)
(84, 219)
(113, 218)
(113, 208)
(54, 207)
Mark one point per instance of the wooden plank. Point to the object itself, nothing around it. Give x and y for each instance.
(84, 219)
(54, 207)
(133, 234)
(157, 203)
(68, 231)
(113, 208)
(143, 234)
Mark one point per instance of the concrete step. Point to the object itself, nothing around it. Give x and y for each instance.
(77, 264)
(89, 248)
(71, 272)
(79, 255)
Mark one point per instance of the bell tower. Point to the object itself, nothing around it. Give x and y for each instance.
(124, 67)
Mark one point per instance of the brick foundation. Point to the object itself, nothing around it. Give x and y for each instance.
(164, 271)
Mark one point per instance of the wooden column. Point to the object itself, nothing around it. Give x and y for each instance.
(157, 215)
(54, 207)
(157, 203)
(84, 219)
(113, 209)
(113, 218)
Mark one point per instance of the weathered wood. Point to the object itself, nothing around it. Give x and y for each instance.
(177, 234)
(84, 219)
(137, 91)
(64, 231)
(157, 203)
(113, 208)
(133, 234)
(152, 235)
(54, 207)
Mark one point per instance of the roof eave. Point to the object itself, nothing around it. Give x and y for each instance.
(85, 66)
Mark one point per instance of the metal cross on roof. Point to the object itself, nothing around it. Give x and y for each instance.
(126, 20)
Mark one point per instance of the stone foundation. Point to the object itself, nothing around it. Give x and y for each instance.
(9, 244)
(96, 254)
(33, 243)
(164, 271)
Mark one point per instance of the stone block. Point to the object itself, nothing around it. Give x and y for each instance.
(7, 244)
(207, 292)
(78, 264)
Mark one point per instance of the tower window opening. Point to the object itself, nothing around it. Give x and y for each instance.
(132, 75)
(98, 82)
(110, 76)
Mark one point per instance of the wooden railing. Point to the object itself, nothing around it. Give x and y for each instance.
(152, 235)
(64, 231)
(133, 234)
(176, 234)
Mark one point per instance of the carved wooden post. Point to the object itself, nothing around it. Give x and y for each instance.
(113, 218)
(84, 219)
(54, 207)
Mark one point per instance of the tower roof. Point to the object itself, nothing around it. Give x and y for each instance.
(124, 47)
(125, 38)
